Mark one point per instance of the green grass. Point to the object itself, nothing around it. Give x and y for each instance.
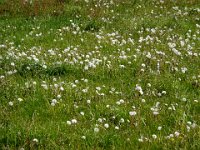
(68, 70)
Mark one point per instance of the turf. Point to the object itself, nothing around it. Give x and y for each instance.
(100, 74)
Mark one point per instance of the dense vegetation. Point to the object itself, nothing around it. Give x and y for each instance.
(99, 74)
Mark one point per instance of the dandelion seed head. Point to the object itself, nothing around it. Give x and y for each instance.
(35, 140)
(106, 125)
(69, 122)
(154, 136)
(132, 113)
(10, 103)
(96, 130)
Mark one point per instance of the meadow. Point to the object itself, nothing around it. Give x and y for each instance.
(99, 74)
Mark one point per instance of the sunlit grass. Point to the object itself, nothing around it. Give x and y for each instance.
(99, 74)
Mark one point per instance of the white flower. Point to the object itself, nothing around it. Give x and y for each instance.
(171, 135)
(121, 66)
(53, 104)
(149, 84)
(86, 68)
(184, 69)
(148, 55)
(121, 101)
(20, 99)
(184, 99)
(61, 88)
(106, 125)
(159, 94)
(139, 89)
(96, 129)
(44, 66)
(155, 112)
(82, 113)
(176, 51)
(69, 122)
(84, 90)
(154, 136)
(100, 120)
(159, 128)
(88, 101)
(59, 96)
(86, 80)
(118, 103)
(83, 137)
(171, 45)
(35, 140)
(116, 127)
(182, 43)
(142, 70)
(74, 121)
(121, 120)
(143, 65)
(132, 113)
(98, 88)
(107, 106)
(113, 89)
(140, 140)
(193, 125)
(73, 85)
(44, 86)
(188, 128)
(176, 133)
(2, 77)
(56, 85)
(10, 103)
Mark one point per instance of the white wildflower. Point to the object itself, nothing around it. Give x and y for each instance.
(184, 99)
(176, 133)
(140, 140)
(96, 129)
(132, 113)
(10, 103)
(154, 136)
(106, 125)
(184, 69)
(69, 122)
(35, 140)
(139, 89)
(20, 99)
(82, 113)
(88, 101)
(121, 101)
(74, 121)
(159, 128)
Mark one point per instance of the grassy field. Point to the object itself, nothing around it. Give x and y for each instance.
(100, 74)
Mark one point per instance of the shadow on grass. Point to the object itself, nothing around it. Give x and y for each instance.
(34, 70)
